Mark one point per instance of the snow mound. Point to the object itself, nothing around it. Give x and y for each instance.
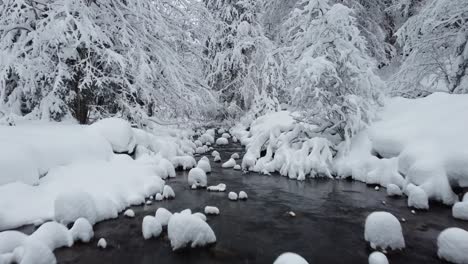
(290, 258)
(452, 245)
(237, 167)
(70, 206)
(217, 159)
(221, 130)
(377, 258)
(243, 195)
(383, 230)
(129, 213)
(218, 188)
(222, 141)
(201, 150)
(207, 138)
(417, 197)
(235, 156)
(9, 240)
(229, 164)
(150, 227)
(226, 135)
(232, 196)
(33, 252)
(460, 210)
(234, 139)
(168, 192)
(53, 235)
(187, 229)
(82, 230)
(211, 210)
(201, 216)
(162, 216)
(198, 143)
(102, 243)
(158, 197)
(204, 164)
(214, 153)
(184, 162)
(117, 132)
(197, 177)
(394, 190)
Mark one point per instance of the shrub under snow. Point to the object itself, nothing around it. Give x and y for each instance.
(383, 230)
(186, 229)
(452, 245)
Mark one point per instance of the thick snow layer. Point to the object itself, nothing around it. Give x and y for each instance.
(185, 162)
(290, 258)
(229, 164)
(33, 252)
(460, 210)
(112, 185)
(117, 132)
(222, 141)
(186, 229)
(211, 210)
(102, 243)
(243, 195)
(162, 216)
(82, 230)
(394, 190)
(383, 230)
(204, 164)
(377, 258)
(197, 177)
(150, 227)
(452, 245)
(168, 192)
(69, 206)
(232, 196)
(53, 235)
(217, 188)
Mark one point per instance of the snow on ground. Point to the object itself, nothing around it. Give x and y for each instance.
(452, 245)
(186, 229)
(290, 258)
(383, 230)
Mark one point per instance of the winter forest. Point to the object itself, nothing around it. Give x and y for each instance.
(233, 131)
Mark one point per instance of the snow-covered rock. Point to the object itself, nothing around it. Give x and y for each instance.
(198, 143)
(226, 135)
(82, 230)
(460, 210)
(53, 235)
(217, 159)
(162, 216)
(232, 196)
(237, 167)
(221, 131)
(201, 150)
(102, 243)
(235, 156)
(229, 164)
(204, 164)
(393, 190)
(383, 230)
(197, 177)
(234, 139)
(150, 227)
(214, 153)
(187, 229)
(222, 141)
(69, 206)
(129, 213)
(159, 197)
(377, 257)
(211, 210)
(33, 252)
(168, 192)
(290, 258)
(452, 245)
(417, 197)
(205, 138)
(184, 162)
(218, 188)
(117, 132)
(243, 195)
(200, 215)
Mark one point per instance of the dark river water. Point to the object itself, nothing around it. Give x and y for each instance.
(328, 226)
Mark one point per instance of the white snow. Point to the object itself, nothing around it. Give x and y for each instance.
(417, 197)
(168, 192)
(226, 135)
(129, 213)
(117, 132)
(222, 141)
(394, 190)
(185, 162)
(377, 258)
(158, 197)
(460, 210)
(53, 235)
(150, 227)
(235, 156)
(237, 167)
(229, 164)
(214, 153)
(204, 164)
(207, 138)
(163, 215)
(243, 195)
(197, 177)
(82, 230)
(452, 245)
(102, 243)
(232, 196)
(217, 188)
(200, 215)
(221, 130)
(186, 229)
(290, 258)
(383, 230)
(201, 150)
(70, 206)
(217, 159)
(211, 210)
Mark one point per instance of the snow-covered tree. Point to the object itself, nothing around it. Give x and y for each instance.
(92, 58)
(332, 74)
(435, 50)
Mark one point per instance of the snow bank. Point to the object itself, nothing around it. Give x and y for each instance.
(82, 230)
(452, 245)
(197, 177)
(184, 229)
(150, 227)
(290, 258)
(383, 230)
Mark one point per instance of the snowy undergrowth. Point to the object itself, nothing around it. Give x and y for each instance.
(64, 172)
